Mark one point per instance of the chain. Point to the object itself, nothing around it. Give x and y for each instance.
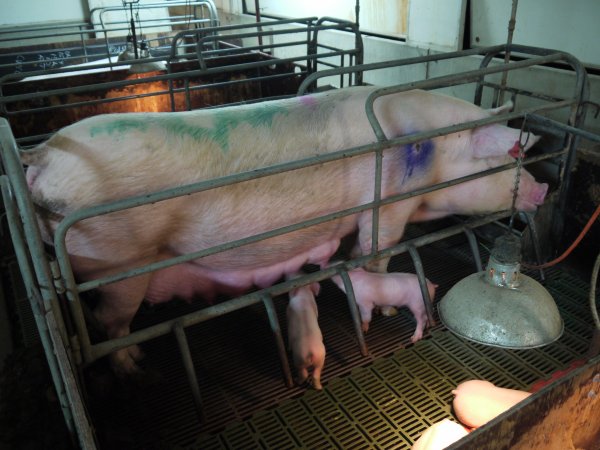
(521, 155)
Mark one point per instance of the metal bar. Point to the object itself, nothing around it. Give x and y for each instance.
(188, 365)
(511, 29)
(474, 248)
(444, 81)
(354, 312)
(535, 239)
(50, 328)
(418, 263)
(567, 128)
(387, 64)
(33, 237)
(170, 92)
(491, 52)
(274, 322)
(517, 91)
(162, 77)
(34, 300)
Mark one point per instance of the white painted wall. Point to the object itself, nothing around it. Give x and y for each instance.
(380, 16)
(42, 11)
(569, 26)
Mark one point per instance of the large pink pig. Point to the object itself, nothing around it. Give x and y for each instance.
(113, 156)
(388, 289)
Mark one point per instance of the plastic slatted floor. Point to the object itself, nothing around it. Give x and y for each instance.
(384, 400)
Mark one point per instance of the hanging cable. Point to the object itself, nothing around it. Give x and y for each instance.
(571, 247)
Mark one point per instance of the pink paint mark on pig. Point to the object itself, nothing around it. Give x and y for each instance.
(304, 335)
(308, 100)
(389, 289)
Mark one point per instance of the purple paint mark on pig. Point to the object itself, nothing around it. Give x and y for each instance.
(418, 158)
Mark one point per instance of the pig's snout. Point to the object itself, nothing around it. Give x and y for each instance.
(531, 195)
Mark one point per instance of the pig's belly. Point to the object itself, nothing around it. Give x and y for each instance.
(189, 280)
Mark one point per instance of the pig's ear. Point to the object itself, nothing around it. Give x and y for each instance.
(497, 140)
(507, 107)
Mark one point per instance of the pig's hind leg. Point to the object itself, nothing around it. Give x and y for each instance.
(118, 305)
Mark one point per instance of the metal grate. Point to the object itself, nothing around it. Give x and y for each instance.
(384, 400)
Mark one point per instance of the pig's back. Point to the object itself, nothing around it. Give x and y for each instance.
(117, 155)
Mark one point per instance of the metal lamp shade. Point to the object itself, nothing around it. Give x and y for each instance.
(501, 307)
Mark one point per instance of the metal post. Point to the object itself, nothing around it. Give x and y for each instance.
(474, 248)
(511, 29)
(529, 218)
(188, 365)
(414, 254)
(285, 365)
(364, 351)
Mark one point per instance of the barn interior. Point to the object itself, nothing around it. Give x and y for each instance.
(220, 375)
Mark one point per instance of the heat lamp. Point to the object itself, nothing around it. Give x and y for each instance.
(500, 306)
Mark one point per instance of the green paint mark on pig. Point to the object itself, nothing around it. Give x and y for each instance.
(224, 121)
(119, 126)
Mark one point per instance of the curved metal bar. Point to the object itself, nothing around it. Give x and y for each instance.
(274, 322)
(474, 248)
(44, 304)
(188, 365)
(354, 312)
(427, 301)
(452, 80)
(304, 87)
(529, 218)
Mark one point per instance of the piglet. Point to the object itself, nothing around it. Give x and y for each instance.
(476, 402)
(304, 335)
(388, 289)
(440, 435)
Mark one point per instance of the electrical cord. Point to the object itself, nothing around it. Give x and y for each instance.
(571, 247)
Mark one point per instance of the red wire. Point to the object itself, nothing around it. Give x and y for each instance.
(572, 246)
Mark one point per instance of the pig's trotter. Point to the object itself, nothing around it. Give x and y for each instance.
(316, 382)
(123, 365)
(365, 326)
(115, 312)
(417, 336)
(136, 352)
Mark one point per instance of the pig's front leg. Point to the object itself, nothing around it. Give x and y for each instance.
(118, 305)
(392, 222)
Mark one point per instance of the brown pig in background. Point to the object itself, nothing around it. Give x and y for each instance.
(110, 157)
